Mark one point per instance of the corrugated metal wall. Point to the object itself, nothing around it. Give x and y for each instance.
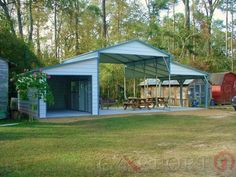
(83, 68)
(4, 69)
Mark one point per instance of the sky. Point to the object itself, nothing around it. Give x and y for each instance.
(218, 14)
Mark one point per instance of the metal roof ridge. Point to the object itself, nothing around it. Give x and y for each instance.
(189, 67)
(119, 44)
(83, 54)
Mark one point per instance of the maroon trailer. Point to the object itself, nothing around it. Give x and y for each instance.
(223, 87)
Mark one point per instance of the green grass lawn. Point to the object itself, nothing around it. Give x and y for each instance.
(147, 145)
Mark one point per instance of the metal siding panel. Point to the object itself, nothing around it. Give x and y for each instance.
(42, 109)
(180, 70)
(3, 89)
(134, 48)
(88, 67)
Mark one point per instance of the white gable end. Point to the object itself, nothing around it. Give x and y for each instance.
(82, 57)
(86, 67)
(134, 48)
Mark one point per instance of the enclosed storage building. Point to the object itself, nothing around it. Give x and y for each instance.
(223, 87)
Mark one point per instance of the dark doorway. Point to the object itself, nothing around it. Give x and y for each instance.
(71, 93)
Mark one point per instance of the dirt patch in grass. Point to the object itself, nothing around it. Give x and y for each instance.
(209, 113)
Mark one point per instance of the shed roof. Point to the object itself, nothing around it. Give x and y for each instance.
(3, 59)
(7, 61)
(153, 82)
(218, 78)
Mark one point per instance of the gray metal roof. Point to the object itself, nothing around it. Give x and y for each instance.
(122, 53)
(141, 60)
(136, 55)
(177, 72)
(6, 60)
(153, 82)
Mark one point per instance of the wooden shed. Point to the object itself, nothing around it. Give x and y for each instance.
(223, 87)
(193, 89)
(148, 89)
(4, 70)
(197, 91)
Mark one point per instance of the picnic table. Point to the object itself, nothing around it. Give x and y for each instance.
(135, 102)
(162, 101)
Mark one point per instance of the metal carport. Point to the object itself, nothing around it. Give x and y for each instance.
(141, 60)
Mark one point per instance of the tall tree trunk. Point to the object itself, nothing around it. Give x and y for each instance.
(76, 28)
(209, 39)
(30, 22)
(55, 28)
(104, 22)
(19, 18)
(210, 8)
(232, 34)
(187, 23)
(194, 29)
(227, 27)
(174, 24)
(3, 4)
(187, 14)
(76, 36)
(30, 38)
(168, 37)
(38, 39)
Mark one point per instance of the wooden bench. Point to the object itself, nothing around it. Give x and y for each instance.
(107, 102)
(131, 102)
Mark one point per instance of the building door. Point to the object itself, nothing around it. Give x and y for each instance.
(74, 95)
(81, 95)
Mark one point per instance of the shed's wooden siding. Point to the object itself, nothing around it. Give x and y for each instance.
(3, 88)
(83, 68)
(164, 92)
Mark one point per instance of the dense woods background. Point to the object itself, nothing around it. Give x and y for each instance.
(35, 33)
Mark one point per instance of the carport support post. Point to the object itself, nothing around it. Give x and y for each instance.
(169, 78)
(156, 83)
(181, 83)
(145, 78)
(125, 96)
(206, 91)
(134, 88)
(160, 88)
